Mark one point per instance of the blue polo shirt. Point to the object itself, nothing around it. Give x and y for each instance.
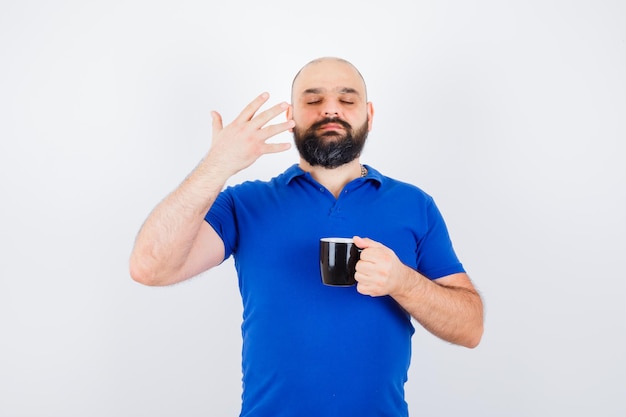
(310, 349)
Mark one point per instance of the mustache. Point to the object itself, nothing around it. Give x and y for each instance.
(328, 120)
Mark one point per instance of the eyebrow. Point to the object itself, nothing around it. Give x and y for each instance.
(342, 90)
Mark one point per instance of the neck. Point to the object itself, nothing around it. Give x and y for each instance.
(333, 179)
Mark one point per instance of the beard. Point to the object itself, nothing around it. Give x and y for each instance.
(330, 149)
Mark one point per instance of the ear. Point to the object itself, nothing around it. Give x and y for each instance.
(289, 114)
(370, 115)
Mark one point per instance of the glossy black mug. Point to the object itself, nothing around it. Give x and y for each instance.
(338, 258)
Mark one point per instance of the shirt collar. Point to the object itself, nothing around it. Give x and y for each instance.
(295, 171)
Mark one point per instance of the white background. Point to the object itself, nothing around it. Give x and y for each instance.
(510, 114)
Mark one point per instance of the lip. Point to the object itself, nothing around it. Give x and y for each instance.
(331, 126)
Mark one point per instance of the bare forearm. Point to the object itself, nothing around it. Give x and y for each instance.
(452, 312)
(171, 245)
(170, 231)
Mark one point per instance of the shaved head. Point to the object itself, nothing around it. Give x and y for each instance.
(332, 115)
(323, 60)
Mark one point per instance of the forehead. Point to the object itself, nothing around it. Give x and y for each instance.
(328, 76)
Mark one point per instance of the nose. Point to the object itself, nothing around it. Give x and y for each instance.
(330, 108)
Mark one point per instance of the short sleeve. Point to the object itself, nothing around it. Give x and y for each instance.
(221, 216)
(436, 257)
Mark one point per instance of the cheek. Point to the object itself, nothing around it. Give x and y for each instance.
(303, 121)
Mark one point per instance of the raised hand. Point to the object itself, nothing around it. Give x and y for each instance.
(240, 143)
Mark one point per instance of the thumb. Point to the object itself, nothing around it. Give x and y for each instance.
(363, 243)
(216, 124)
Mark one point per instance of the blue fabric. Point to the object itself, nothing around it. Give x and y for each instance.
(310, 349)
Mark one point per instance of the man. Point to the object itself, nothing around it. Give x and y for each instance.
(310, 349)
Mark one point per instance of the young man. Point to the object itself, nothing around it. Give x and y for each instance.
(310, 349)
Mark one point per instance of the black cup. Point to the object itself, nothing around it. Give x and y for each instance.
(338, 258)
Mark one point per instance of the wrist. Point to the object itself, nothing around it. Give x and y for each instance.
(410, 283)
